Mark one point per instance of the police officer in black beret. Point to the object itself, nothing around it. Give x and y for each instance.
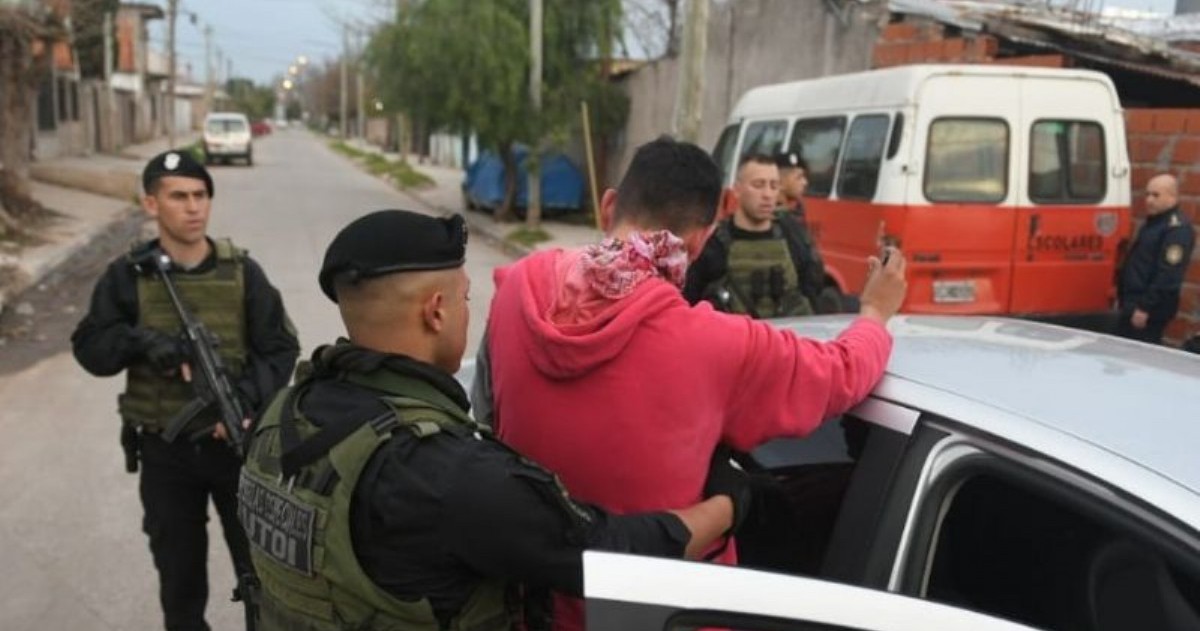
(131, 326)
(373, 501)
(1155, 267)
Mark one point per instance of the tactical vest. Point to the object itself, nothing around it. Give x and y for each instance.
(761, 279)
(216, 298)
(299, 529)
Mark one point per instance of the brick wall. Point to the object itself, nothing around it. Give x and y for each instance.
(1168, 141)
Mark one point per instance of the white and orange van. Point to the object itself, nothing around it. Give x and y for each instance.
(1007, 187)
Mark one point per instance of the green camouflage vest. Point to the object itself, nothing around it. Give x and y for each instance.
(299, 529)
(216, 298)
(761, 279)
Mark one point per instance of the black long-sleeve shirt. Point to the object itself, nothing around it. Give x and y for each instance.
(433, 517)
(104, 345)
(1157, 262)
(713, 262)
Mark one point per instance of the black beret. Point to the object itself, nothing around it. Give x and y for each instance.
(789, 160)
(390, 241)
(177, 162)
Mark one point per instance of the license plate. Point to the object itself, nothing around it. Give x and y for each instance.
(953, 291)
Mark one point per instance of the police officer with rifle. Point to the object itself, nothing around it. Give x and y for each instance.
(204, 342)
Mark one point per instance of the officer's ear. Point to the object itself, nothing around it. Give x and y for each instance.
(150, 205)
(433, 311)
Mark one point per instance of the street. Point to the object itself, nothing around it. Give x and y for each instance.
(70, 519)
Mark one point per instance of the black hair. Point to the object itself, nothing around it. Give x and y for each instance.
(670, 185)
(756, 158)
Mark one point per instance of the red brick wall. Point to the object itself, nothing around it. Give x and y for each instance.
(1168, 141)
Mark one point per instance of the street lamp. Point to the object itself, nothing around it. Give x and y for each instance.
(287, 84)
(302, 60)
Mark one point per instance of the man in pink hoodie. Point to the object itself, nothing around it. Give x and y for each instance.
(601, 371)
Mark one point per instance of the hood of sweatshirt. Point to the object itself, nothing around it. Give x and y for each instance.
(574, 327)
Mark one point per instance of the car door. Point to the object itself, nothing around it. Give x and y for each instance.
(626, 592)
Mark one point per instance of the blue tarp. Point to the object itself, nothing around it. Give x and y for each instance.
(562, 182)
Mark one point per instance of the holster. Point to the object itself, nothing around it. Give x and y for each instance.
(247, 592)
(131, 444)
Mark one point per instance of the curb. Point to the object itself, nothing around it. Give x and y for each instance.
(127, 222)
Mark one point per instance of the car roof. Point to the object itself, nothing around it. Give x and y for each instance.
(1138, 401)
(237, 115)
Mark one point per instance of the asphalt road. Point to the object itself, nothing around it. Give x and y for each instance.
(70, 519)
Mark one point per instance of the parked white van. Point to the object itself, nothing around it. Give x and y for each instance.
(226, 137)
(1007, 186)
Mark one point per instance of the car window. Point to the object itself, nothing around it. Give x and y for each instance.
(226, 125)
(1015, 546)
(862, 156)
(819, 142)
(967, 160)
(763, 137)
(1066, 162)
(723, 153)
(800, 487)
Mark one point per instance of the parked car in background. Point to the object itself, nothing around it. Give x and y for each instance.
(227, 136)
(1033, 473)
(260, 127)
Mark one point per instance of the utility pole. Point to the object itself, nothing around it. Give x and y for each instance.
(172, 10)
(533, 213)
(345, 80)
(361, 89)
(689, 99)
(209, 79)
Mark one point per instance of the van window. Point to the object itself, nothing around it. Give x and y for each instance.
(862, 156)
(723, 153)
(818, 141)
(967, 160)
(764, 137)
(225, 125)
(1066, 162)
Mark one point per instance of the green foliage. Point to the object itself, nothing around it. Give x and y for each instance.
(87, 22)
(527, 236)
(197, 151)
(400, 172)
(256, 102)
(463, 66)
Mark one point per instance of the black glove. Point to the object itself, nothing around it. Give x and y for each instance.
(163, 351)
(726, 478)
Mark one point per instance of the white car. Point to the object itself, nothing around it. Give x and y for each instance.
(1029, 473)
(227, 137)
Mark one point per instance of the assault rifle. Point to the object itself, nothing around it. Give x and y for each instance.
(210, 380)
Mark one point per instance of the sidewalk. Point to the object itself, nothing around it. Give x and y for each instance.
(446, 195)
(92, 197)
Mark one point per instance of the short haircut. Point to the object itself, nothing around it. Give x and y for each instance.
(670, 185)
(756, 158)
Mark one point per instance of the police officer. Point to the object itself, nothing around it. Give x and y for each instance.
(131, 326)
(760, 261)
(793, 182)
(1150, 281)
(371, 498)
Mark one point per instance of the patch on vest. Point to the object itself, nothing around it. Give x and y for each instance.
(279, 526)
(1174, 254)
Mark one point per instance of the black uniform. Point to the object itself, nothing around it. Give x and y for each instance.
(178, 478)
(431, 517)
(712, 264)
(1153, 274)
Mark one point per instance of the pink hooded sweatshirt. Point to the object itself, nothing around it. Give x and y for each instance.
(626, 399)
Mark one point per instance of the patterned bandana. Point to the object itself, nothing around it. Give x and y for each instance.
(615, 267)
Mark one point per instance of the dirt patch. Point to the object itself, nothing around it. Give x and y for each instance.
(38, 322)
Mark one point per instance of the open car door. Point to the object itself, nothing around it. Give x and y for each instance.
(626, 592)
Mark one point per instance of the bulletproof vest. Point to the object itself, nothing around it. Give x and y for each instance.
(299, 528)
(216, 298)
(761, 279)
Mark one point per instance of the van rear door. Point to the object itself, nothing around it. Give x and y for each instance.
(1073, 198)
(958, 229)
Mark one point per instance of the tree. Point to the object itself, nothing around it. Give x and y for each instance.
(463, 66)
(87, 23)
(254, 101)
(19, 28)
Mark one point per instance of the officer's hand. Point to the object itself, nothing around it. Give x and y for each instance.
(726, 478)
(164, 352)
(220, 433)
(885, 288)
(1139, 319)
